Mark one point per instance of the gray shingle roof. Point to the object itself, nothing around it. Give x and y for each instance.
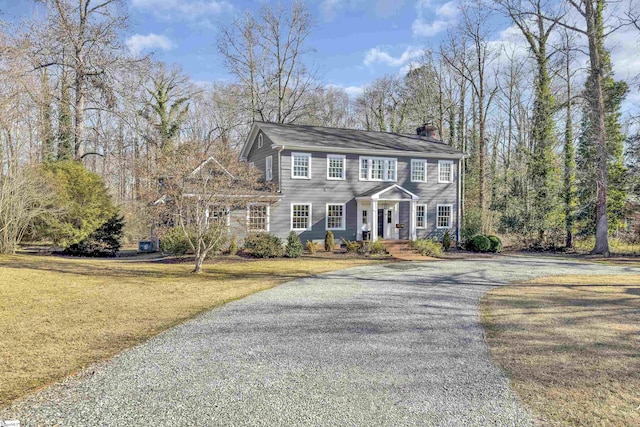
(318, 137)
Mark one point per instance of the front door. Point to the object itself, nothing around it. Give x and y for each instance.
(387, 223)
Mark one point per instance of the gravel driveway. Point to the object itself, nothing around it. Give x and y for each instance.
(394, 345)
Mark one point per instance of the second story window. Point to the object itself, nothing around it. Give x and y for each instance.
(300, 165)
(335, 166)
(268, 168)
(378, 169)
(445, 171)
(418, 170)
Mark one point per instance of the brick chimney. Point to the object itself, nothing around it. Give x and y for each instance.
(428, 130)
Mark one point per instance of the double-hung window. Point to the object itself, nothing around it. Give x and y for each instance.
(418, 170)
(445, 171)
(335, 216)
(258, 217)
(336, 166)
(300, 165)
(301, 216)
(378, 169)
(218, 215)
(444, 216)
(421, 216)
(268, 168)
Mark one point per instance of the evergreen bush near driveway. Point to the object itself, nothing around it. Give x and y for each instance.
(294, 246)
(446, 241)
(263, 245)
(329, 242)
(479, 243)
(496, 244)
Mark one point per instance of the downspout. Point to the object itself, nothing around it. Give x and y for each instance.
(280, 168)
(458, 213)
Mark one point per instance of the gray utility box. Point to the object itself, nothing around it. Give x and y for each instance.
(146, 246)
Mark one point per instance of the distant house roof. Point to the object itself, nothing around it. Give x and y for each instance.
(337, 140)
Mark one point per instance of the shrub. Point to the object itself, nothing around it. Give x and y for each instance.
(352, 245)
(174, 242)
(496, 244)
(311, 246)
(82, 199)
(263, 245)
(104, 242)
(472, 224)
(294, 246)
(446, 241)
(377, 248)
(427, 247)
(329, 242)
(479, 243)
(233, 246)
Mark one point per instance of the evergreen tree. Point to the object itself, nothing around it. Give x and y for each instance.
(614, 94)
(65, 127)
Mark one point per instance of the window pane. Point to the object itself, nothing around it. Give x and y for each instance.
(420, 216)
(257, 218)
(364, 168)
(335, 216)
(269, 169)
(377, 168)
(336, 167)
(300, 217)
(445, 172)
(301, 166)
(390, 173)
(444, 216)
(418, 171)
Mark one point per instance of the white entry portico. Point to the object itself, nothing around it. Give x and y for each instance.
(379, 212)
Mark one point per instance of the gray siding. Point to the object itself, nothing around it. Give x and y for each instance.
(319, 191)
(257, 156)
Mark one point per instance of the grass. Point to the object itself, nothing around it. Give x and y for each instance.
(616, 246)
(59, 315)
(570, 346)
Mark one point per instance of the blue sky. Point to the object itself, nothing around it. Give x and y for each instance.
(354, 41)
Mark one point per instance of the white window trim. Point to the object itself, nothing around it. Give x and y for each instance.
(310, 217)
(426, 216)
(260, 141)
(344, 166)
(308, 155)
(267, 219)
(344, 217)
(268, 168)
(450, 216)
(414, 161)
(440, 163)
(385, 161)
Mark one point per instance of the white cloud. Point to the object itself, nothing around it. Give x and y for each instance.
(184, 9)
(138, 43)
(433, 19)
(354, 91)
(378, 56)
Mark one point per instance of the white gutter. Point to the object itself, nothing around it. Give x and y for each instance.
(373, 152)
(460, 178)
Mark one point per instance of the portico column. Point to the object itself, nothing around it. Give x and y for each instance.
(374, 220)
(359, 219)
(412, 220)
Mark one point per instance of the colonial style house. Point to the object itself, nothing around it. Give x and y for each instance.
(358, 184)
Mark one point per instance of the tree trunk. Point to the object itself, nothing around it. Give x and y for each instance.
(596, 101)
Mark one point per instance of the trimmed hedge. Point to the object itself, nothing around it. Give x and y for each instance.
(479, 243)
(263, 245)
(329, 241)
(496, 244)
